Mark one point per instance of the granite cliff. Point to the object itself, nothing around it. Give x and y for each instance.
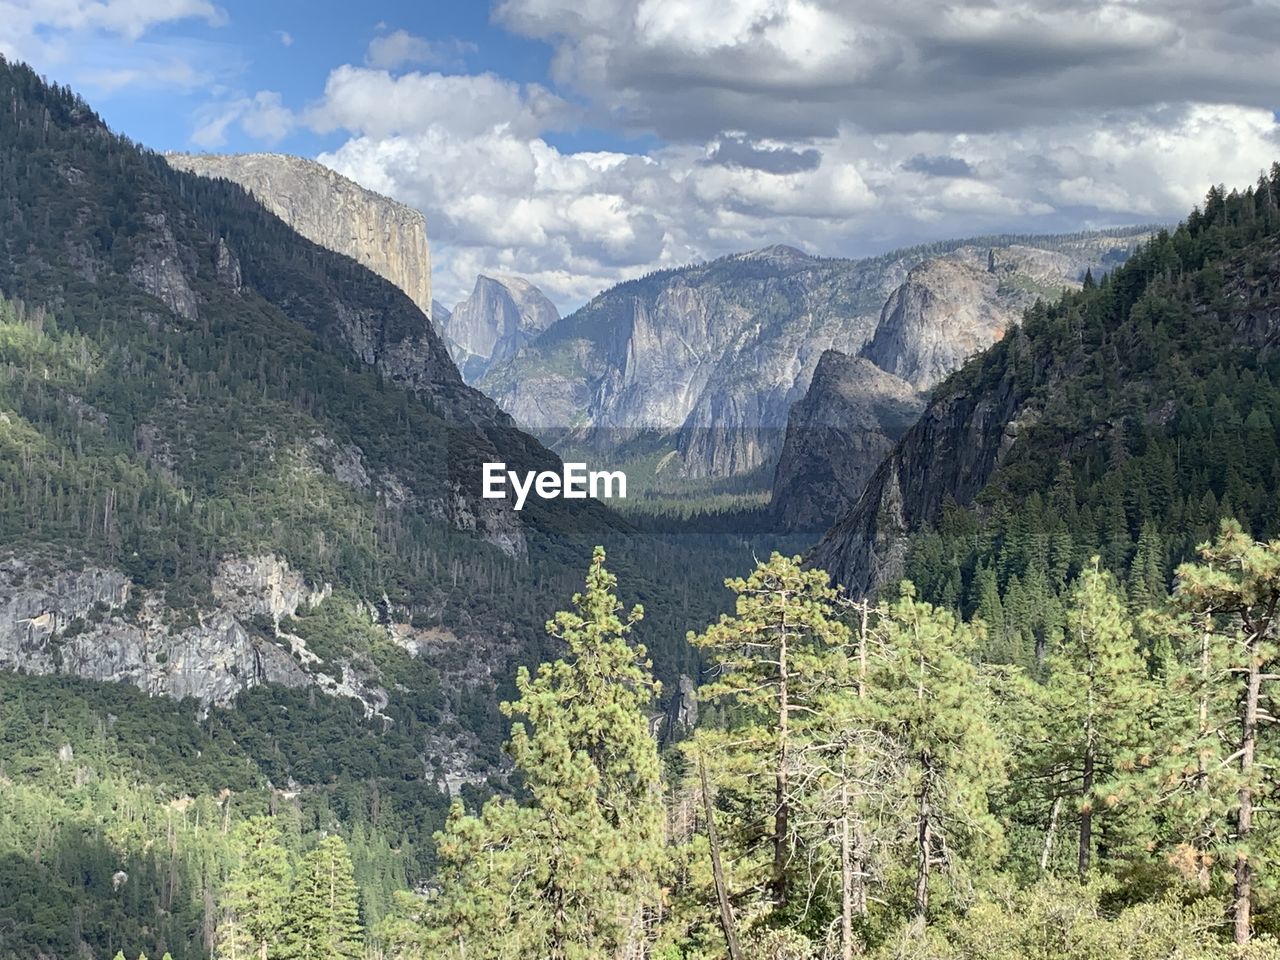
(502, 314)
(947, 309)
(1094, 393)
(713, 356)
(325, 207)
(836, 436)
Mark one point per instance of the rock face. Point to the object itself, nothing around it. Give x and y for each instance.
(714, 356)
(387, 237)
(951, 451)
(947, 309)
(1033, 398)
(94, 623)
(837, 436)
(501, 315)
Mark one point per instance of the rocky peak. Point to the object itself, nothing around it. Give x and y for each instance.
(325, 207)
(501, 315)
(947, 310)
(836, 436)
(713, 356)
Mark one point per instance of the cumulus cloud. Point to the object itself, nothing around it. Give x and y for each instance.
(801, 68)
(372, 102)
(577, 222)
(839, 130)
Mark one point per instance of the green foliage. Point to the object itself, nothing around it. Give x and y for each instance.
(255, 898)
(573, 873)
(769, 659)
(323, 921)
(1149, 408)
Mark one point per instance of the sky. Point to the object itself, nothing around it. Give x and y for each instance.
(579, 143)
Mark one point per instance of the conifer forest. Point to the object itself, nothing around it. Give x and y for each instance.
(277, 683)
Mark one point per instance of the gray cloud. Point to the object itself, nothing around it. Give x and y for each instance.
(739, 152)
(797, 121)
(940, 166)
(802, 68)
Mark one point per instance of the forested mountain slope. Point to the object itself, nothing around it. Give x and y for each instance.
(1123, 420)
(241, 471)
(389, 238)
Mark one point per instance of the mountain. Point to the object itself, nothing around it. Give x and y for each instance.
(490, 326)
(1122, 421)
(233, 458)
(713, 356)
(387, 237)
(836, 437)
(947, 309)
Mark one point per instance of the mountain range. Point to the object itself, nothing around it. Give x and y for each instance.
(712, 357)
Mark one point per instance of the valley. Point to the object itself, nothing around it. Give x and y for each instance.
(778, 606)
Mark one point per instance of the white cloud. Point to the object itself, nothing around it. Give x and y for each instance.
(400, 48)
(95, 42)
(576, 223)
(125, 18)
(262, 116)
(374, 103)
(285, 38)
(808, 122)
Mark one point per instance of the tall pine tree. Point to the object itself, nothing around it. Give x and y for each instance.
(573, 874)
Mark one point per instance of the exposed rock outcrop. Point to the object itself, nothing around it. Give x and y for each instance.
(837, 436)
(163, 268)
(501, 315)
(93, 622)
(715, 355)
(325, 207)
(946, 310)
(951, 452)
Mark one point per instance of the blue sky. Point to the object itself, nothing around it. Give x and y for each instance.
(287, 46)
(582, 142)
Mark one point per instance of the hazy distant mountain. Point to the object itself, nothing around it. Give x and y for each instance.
(501, 315)
(713, 356)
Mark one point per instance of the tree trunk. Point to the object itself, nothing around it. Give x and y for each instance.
(1086, 813)
(717, 870)
(859, 829)
(1202, 770)
(1244, 818)
(782, 808)
(924, 840)
(846, 877)
(1050, 833)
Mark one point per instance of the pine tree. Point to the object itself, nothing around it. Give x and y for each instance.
(1217, 761)
(255, 898)
(1098, 693)
(574, 873)
(936, 709)
(769, 660)
(324, 915)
